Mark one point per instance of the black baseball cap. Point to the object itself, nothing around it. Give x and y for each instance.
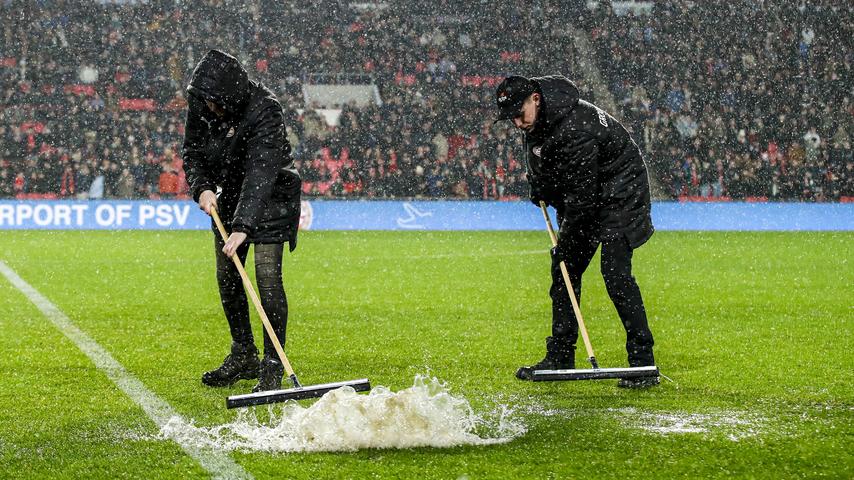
(511, 94)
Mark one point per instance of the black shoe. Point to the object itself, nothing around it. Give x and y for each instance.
(527, 373)
(270, 374)
(638, 382)
(559, 356)
(240, 364)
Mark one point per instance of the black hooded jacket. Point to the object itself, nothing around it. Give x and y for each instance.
(583, 162)
(245, 153)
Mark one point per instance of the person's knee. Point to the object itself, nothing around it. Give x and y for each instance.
(231, 292)
(268, 263)
(228, 279)
(268, 275)
(269, 283)
(618, 283)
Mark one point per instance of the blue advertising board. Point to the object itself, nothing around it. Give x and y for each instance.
(417, 215)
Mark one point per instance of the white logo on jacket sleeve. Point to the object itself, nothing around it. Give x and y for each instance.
(602, 118)
(538, 150)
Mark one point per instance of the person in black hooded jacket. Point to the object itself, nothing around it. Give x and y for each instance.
(582, 162)
(235, 145)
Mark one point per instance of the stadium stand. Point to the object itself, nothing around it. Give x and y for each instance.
(745, 100)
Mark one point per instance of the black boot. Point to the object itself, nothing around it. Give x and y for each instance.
(560, 355)
(241, 363)
(270, 374)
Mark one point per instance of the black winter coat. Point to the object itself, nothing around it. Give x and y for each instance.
(583, 162)
(245, 153)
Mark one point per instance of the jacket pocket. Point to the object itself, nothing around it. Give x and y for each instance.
(287, 186)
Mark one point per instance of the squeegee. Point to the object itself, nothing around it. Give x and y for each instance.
(298, 392)
(594, 373)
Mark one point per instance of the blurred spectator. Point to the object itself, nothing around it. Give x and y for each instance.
(125, 185)
(167, 184)
(67, 184)
(6, 184)
(96, 188)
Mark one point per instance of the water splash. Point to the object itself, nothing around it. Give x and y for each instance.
(424, 415)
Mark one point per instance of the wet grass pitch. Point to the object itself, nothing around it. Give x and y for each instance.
(754, 329)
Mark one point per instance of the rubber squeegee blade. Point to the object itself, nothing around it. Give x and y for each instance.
(594, 374)
(300, 393)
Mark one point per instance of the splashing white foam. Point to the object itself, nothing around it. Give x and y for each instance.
(424, 415)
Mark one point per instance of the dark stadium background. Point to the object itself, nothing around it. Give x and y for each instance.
(729, 100)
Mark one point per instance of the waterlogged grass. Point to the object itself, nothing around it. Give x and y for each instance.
(754, 329)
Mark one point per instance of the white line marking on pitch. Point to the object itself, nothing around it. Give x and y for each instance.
(216, 463)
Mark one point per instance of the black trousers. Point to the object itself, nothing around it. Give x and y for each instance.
(577, 250)
(268, 275)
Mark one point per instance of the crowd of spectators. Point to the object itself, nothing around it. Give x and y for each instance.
(93, 107)
(737, 98)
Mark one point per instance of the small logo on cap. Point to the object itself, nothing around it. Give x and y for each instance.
(503, 97)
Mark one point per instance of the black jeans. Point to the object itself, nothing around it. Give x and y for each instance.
(578, 249)
(268, 275)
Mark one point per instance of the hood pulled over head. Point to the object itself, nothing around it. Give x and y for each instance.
(220, 78)
(559, 95)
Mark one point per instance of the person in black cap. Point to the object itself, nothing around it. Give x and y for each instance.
(582, 162)
(235, 142)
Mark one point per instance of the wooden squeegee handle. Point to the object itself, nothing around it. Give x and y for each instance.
(251, 290)
(570, 290)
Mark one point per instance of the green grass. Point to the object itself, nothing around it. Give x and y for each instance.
(751, 325)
